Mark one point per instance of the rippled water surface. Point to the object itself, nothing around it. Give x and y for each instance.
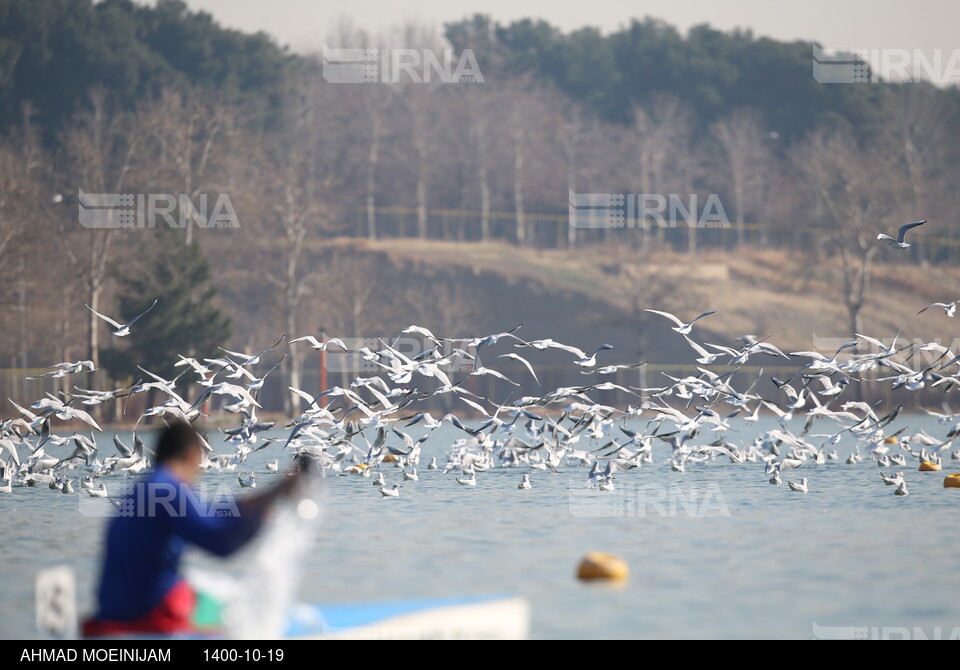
(715, 551)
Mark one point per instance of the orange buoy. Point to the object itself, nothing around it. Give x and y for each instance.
(390, 458)
(927, 466)
(597, 565)
(891, 440)
(952, 481)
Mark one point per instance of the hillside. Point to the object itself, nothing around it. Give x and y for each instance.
(789, 297)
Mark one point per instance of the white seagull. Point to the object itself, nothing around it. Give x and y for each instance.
(122, 330)
(682, 328)
(949, 308)
(896, 480)
(393, 492)
(801, 487)
(590, 361)
(901, 235)
(320, 346)
(525, 362)
(525, 483)
(468, 481)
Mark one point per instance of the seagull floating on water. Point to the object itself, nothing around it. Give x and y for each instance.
(896, 480)
(468, 481)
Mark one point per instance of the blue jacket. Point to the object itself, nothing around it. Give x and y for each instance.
(158, 516)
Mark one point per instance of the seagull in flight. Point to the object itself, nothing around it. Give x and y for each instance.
(681, 327)
(589, 361)
(899, 243)
(122, 330)
(320, 346)
(949, 308)
(526, 363)
(251, 360)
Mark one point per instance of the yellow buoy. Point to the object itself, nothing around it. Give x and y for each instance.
(598, 565)
(927, 466)
(891, 440)
(390, 458)
(952, 481)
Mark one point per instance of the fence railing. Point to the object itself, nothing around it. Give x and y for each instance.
(550, 230)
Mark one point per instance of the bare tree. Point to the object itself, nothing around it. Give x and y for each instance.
(742, 137)
(856, 191)
(100, 149)
(570, 139)
(519, 157)
(186, 131)
(373, 160)
(478, 127)
(296, 215)
(916, 134)
(21, 197)
(663, 132)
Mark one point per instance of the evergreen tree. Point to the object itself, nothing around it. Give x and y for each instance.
(186, 319)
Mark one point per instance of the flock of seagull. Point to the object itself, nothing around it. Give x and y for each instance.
(361, 428)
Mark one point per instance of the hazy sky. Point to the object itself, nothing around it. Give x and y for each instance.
(918, 24)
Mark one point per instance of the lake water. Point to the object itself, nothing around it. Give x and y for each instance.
(714, 552)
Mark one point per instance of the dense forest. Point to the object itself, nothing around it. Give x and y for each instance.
(119, 97)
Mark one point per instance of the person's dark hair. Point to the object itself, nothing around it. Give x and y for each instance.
(175, 441)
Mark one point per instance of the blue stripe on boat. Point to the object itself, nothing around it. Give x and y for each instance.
(314, 619)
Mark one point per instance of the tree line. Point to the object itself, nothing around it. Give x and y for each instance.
(117, 97)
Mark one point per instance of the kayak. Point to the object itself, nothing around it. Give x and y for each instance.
(463, 617)
(472, 617)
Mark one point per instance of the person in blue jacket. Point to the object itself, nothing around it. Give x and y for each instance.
(141, 590)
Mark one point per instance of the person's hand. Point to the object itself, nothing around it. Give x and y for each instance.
(288, 483)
